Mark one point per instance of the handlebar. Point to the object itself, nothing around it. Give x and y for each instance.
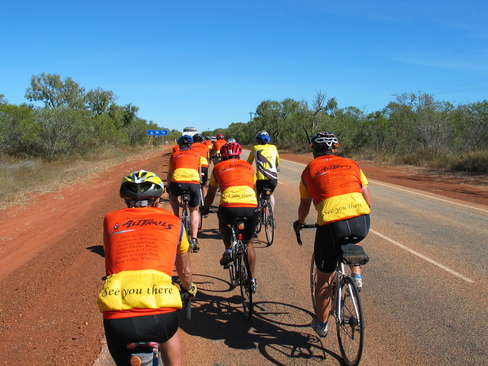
(297, 227)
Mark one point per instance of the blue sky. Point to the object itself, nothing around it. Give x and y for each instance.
(209, 63)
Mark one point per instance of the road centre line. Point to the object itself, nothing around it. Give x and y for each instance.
(426, 195)
(441, 266)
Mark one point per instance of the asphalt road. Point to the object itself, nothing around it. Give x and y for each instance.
(424, 297)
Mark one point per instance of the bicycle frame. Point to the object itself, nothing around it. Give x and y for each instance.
(239, 269)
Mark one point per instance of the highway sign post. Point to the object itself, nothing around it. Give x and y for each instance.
(157, 133)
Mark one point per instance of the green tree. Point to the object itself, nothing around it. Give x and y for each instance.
(55, 93)
(99, 100)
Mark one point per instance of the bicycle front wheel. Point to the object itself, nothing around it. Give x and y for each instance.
(350, 323)
(245, 284)
(268, 219)
(313, 282)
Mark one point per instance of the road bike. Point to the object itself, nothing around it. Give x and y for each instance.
(149, 353)
(346, 302)
(266, 215)
(239, 269)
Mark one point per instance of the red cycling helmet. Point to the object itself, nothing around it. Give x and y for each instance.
(230, 149)
(220, 136)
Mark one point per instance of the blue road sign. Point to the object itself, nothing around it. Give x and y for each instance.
(157, 132)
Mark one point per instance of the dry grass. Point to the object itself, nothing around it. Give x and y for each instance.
(19, 179)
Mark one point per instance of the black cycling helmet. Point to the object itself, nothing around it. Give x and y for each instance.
(197, 137)
(141, 188)
(185, 140)
(324, 142)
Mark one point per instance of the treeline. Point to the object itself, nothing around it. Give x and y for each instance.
(72, 121)
(413, 129)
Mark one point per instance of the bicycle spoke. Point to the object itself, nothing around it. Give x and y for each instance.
(350, 323)
(245, 284)
(269, 225)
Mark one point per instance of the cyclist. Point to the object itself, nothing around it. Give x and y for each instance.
(339, 190)
(142, 245)
(267, 163)
(204, 151)
(216, 147)
(184, 174)
(235, 178)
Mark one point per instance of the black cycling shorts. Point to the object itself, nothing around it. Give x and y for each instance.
(204, 175)
(271, 183)
(150, 328)
(226, 215)
(327, 247)
(176, 189)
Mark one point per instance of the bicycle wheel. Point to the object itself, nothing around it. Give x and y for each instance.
(259, 222)
(185, 217)
(245, 283)
(269, 224)
(350, 323)
(313, 282)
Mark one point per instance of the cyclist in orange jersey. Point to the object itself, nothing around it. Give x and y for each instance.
(184, 174)
(339, 191)
(203, 150)
(142, 245)
(217, 146)
(236, 179)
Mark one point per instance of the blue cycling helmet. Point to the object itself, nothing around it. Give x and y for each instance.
(263, 137)
(185, 140)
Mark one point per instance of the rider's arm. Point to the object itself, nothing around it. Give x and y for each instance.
(250, 158)
(304, 209)
(183, 268)
(367, 196)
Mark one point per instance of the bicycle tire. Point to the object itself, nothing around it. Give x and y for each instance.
(259, 222)
(232, 275)
(186, 223)
(269, 225)
(188, 309)
(350, 323)
(245, 283)
(313, 282)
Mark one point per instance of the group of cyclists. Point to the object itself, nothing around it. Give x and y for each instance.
(130, 311)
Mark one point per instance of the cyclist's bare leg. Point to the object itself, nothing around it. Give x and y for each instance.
(272, 201)
(171, 351)
(323, 295)
(225, 233)
(175, 204)
(356, 269)
(194, 221)
(251, 255)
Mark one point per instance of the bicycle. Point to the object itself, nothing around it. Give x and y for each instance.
(346, 302)
(266, 215)
(239, 269)
(185, 213)
(149, 353)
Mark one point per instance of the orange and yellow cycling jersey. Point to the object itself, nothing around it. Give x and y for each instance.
(236, 179)
(203, 150)
(267, 161)
(141, 245)
(185, 164)
(335, 186)
(209, 143)
(176, 148)
(218, 144)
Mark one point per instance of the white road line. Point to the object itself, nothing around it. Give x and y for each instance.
(426, 195)
(423, 257)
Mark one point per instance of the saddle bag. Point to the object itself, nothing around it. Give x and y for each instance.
(354, 255)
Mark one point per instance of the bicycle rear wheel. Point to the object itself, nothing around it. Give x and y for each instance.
(350, 323)
(259, 222)
(185, 217)
(268, 219)
(245, 284)
(313, 282)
